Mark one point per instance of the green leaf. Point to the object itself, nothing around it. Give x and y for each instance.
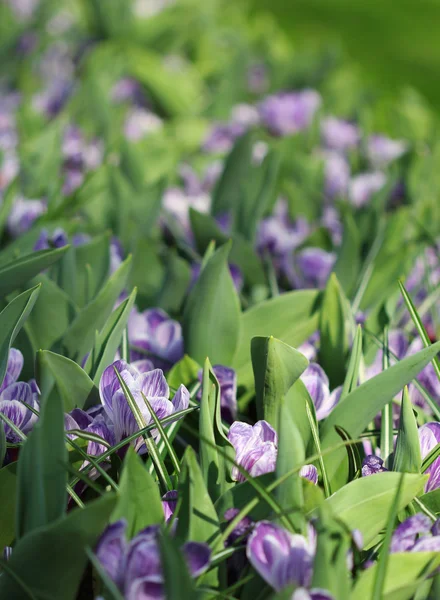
(185, 371)
(3, 446)
(42, 476)
(239, 495)
(211, 319)
(407, 455)
(405, 572)
(291, 317)
(348, 262)
(74, 386)
(352, 375)
(12, 319)
(178, 583)
(80, 335)
(92, 262)
(175, 284)
(139, 501)
(213, 464)
(330, 563)
(18, 272)
(276, 368)
(8, 497)
(297, 398)
(109, 339)
(50, 560)
(229, 189)
(333, 332)
(365, 503)
(51, 315)
(198, 519)
(360, 407)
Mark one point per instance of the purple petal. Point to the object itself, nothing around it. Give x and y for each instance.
(241, 530)
(310, 472)
(181, 399)
(405, 534)
(20, 391)
(123, 420)
(15, 363)
(109, 383)
(145, 588)
(111, 549)
(364, 186)
(317, 384)
(288, 113)
(312, 267)
(382, 150)
(169, 503)
(102, 430)
(427, 544)
(255, 447)
(154, 385)
(429, 435)
(83, 420)
(143, 560)
(197, 556)
(18, 414)
(227, 379)
(339, 135)
(313, 594)
(143, 366)
(371, 465)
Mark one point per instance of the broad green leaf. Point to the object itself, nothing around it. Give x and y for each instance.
(42, 475)
(333, 324)
(12, 319)
(291, 317)
(8, 499)
(74, 386)
(365, 503)
(239, 495)
(50, 560)
(407, 455)
(352, 375)
(330, 564)
(92, 261)
(108, 340)
(51, 316)
(80, 335)
(18, 272)
(213, 464)
(276, 368)
(139, 500)
(185, 371)
(405, 572)
(198, 519)
(229, 189)
(178, 583)
(175, 285)
(211, 319)
(360, 407)
(348, 262)
(432, 500)
(296, 400)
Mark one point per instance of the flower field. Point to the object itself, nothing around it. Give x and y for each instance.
(219, 308)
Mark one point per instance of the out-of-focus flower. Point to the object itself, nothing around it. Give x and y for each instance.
(169, 503)
(256, 449)
(177, 203)
(79, 157)
(23, 214)
(222, 136)
(14, 396)
(151, 384)
(58, 239)
(128, 89)
(416, 534)
(227, 379)
(135, 566)
(331, 220)
(154, 335)
(339, 135)
(311, 268)
(146, 9)
(397, 344)
(280, 557)
(429, 435)
(245, 114)
(23, 9)
(289, 112)
(371, 465)
(116, 254)
(140, 123)
(427, 378)
(317, 384)
(382, 150)
(363, 186)
(336, 175)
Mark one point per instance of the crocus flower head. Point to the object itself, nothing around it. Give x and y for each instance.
(371, 465)
(154, 335)
(317, 384)
(140, 123)
(382, 150)
(336, 175)
(280, 557)
(289, 112)
(416, 534)
(255, 448)
(311, 268)
(227, 379)
(429, 436)
(98, 425)
(339, 135)
(23, 213)
(135, 566)
(364, 186)
(57, 239)
(169, 503)
(222, 136)
(14, 396)
(151, 384)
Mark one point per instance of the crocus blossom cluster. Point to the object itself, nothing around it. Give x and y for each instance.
(416, 534)
(135, 565)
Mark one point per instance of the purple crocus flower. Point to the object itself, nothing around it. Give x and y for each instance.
(339, 135)
(177, 203)
(429, 435)
(99, 425)
(289, 112)
(242, 529)
(57, 239)
(336, 174)
(15, 395)
(155, 335)
(416, 534)
(311, 268)
(227, 379)
(371, 465)
(140, 123)
(382, 150)
(364, 186)
(256, 449)
(169, 503)
(151, 384)
(317, 384)
(135, 566)
(280, 557)
(128, 89)
(23, 214)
